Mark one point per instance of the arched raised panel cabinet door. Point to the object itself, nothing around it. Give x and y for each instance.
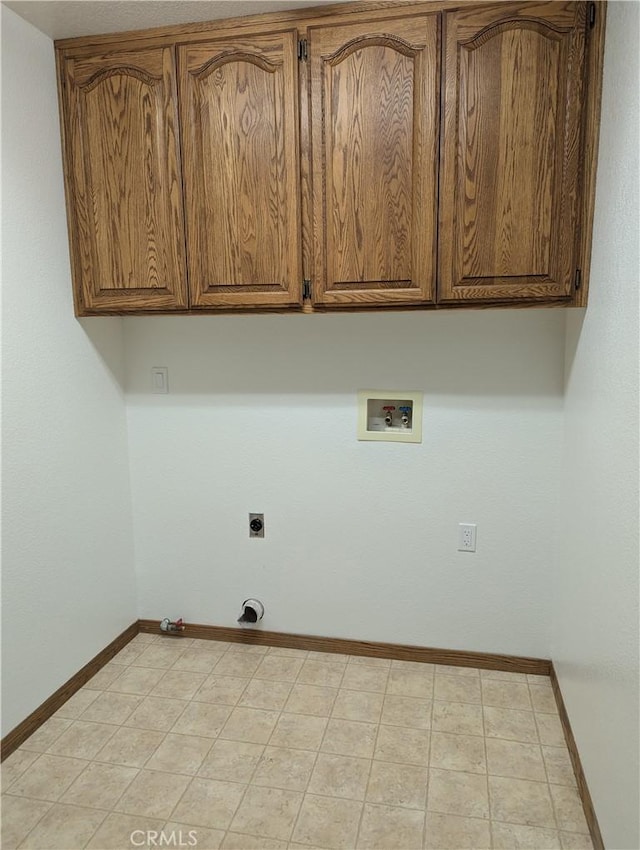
(374, 126)
(239, 121)
(511, 151)
(123, 182)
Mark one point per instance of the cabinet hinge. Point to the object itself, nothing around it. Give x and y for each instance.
(592, 15)
(302, 50)
(577, 281)
(306, 289)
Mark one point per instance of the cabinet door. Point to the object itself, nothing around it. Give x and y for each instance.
(374, 127)
(123, 180)
(511, 149)
(239, 114)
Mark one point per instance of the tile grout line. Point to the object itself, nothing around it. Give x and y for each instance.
(195, 776)
(44, 814)
(546, 772)
(373, 753)
(315, 761)
(59, 802)
(139, 769)
(428, 789)
(167, 733)
(486, 761)
(306, 714)
(253, 773)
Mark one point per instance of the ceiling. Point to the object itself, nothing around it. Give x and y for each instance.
(70, 18)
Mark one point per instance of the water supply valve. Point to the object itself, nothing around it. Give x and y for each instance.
(172, 626)
(393, 415)
(388, 417)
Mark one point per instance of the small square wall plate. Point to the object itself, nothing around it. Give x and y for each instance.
(390, 415)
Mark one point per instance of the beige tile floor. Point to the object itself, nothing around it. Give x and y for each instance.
(212, 745)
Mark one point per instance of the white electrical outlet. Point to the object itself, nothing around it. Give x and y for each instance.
(467, 537)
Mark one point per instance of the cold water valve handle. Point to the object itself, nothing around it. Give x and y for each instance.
(405, 410)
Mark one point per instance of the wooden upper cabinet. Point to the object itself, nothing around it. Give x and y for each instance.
(392, 154)
(239, 121)
(374, 129)
(123, 181)
(513, 81)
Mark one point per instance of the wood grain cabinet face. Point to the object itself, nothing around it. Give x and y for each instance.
(239, 121)
(123, 182)
(511, 151)
(374, 128)
(396, 155)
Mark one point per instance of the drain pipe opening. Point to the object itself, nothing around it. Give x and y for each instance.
(252, 611)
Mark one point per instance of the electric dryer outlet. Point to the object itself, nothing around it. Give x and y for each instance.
(256, 525)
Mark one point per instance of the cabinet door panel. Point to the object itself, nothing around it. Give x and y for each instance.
(124, 181)
(511, 144)
(374, 117)
(240, 147)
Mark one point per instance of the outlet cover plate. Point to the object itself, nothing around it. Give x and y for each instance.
(159, 379)
(467, 537)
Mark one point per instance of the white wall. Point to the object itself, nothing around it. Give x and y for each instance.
(595, 592)
(67, 566)
(361, 537)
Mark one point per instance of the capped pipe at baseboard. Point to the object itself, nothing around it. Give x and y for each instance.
(168, 625)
